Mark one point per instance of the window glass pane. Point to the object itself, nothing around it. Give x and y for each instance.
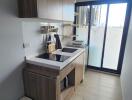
(117, 13)
(98, 20)
(82, 23)
(114, 33)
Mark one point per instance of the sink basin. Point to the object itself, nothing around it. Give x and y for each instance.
(53, 57)
(69, 50)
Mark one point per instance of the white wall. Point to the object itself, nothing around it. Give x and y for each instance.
(11, 52)
(126, 76)
(33, 38)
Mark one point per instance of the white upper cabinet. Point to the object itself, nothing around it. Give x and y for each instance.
(68, 10)
(48, 9)
(42, 8)
(55, 9)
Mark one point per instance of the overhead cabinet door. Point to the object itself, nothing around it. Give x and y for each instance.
(68, 10)
(55, 9)
(48, 9)
(42, 6)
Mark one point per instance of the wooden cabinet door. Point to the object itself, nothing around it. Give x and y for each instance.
(55, 9)
(39, 87)
(42, 6)
(68, 10)
(79, 70)
(27, 8)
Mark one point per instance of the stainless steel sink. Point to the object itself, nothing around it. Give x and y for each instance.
(69, 50)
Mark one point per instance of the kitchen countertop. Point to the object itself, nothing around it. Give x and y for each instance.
(54, 64)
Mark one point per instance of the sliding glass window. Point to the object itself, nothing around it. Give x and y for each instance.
(98, 21)
(101, 26)
(116, 19)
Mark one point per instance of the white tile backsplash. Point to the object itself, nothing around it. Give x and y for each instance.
(33, 39)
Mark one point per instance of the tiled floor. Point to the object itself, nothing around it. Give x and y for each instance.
(99, 86)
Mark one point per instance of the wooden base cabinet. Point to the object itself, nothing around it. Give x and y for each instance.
(39, 87)
(43, 83)
(79, 71)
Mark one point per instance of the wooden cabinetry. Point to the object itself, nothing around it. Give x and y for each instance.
(48, 9)
(79, 71)
(43, 83)
(39, 87)
(27, 8)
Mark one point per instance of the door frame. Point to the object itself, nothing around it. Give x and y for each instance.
(124, 35)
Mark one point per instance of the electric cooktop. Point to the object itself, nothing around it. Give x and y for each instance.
(53, 57)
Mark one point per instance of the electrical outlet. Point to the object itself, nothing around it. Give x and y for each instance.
(26, 45)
